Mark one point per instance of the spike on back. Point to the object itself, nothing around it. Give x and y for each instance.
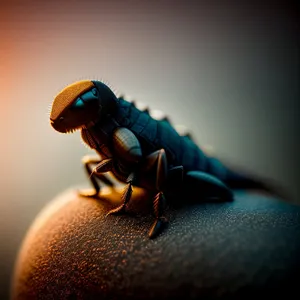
(157, 114)
(166, 119)
(141, 106)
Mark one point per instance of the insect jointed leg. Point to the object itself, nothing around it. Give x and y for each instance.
(126, 196)
(94, 173)
(158, 160)
(208, 185)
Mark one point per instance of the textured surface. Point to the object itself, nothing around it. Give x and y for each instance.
(68, 95)
(246, 248)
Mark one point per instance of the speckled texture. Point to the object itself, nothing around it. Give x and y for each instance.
(68, 95)
(246, 248)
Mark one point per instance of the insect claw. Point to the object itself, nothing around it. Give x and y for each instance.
(119, 210)
(157, 227)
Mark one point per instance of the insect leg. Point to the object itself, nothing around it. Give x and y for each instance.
(158, 207)
(125, 197)
(159, 159)
(88, 161)
(207, 185)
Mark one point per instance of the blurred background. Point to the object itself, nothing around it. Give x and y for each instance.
(229, 71)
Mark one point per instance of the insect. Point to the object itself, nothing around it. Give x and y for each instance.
(137, 149)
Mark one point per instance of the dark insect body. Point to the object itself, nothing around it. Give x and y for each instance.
(138, 149)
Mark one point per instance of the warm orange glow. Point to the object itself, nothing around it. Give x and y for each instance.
(7, 66)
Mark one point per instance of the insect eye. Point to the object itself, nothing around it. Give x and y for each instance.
(94, 91)
(78, 104)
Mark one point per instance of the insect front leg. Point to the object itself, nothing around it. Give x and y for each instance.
(93, 175)
(158, 161)
(128, 152)
(126, 196)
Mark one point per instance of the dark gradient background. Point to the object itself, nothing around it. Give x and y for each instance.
(229, 71)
